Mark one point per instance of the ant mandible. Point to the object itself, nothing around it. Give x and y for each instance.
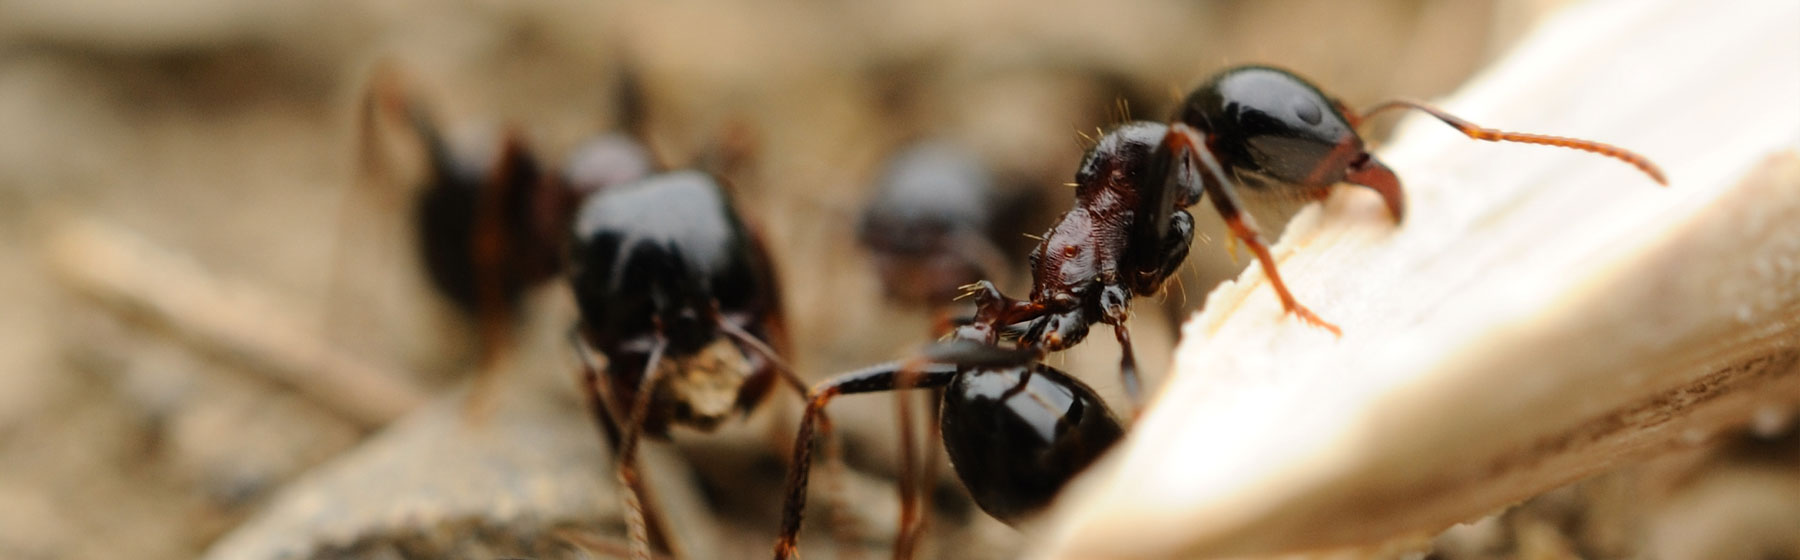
(681, 297)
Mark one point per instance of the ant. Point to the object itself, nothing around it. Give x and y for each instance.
(928, 221)
(671, 285)
(1016, 430)
(490, 224)
(681, 297)
(1259, 126)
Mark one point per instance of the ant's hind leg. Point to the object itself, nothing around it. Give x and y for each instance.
(871, 380)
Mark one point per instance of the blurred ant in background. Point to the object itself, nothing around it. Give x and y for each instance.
(490, 224)
(673, 288)
(1266, 128)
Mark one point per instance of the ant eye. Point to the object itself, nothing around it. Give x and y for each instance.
(1307, 110)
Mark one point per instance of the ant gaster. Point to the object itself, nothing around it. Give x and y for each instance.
(681, 297)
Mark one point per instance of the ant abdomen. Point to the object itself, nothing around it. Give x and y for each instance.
(1016, 435)
(1267, 123)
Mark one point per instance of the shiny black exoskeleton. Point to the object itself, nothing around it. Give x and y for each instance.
(1269, 128)
(665, 268)
(1017, 434)
(681, 297)
(1016, 430)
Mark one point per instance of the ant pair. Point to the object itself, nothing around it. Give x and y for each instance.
(1017, 430)
(673, 287)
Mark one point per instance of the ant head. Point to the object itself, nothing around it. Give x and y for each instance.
(1268, 122)
(1017, 434)
(666, 249)
(1123, 153)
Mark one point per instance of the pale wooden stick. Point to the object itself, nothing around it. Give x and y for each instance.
(130, 274)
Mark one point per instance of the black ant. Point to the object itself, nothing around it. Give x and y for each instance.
(490, 224)
(672, 287)
(1259, 126)
(681, 297)
(927, 225)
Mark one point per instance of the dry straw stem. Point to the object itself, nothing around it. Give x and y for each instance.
(1542, 315)
(129, 274)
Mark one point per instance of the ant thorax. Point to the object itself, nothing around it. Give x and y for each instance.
(1084, 247)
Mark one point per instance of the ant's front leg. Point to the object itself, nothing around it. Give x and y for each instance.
(1183, 138)
(994, 309)
(1115, 305)
(876, 379)
(1172, 252)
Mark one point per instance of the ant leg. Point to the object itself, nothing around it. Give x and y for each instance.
(1493, 135)
(871, 380)
(1174, 251)
(995, 308)
(637, 509)
(908, 478)
(757, 345)
(1243, 226)
(596, 394)
(927, 478)
(1115, 303)
(843, 525)
(599, 394)
(501, 262)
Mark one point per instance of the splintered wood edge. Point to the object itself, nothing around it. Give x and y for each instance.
(1540, 321)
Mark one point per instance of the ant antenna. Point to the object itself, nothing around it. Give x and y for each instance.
(1492, 135)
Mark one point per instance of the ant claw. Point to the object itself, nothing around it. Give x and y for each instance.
(1313, 319)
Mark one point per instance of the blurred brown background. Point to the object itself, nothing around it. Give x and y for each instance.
(225, 133)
